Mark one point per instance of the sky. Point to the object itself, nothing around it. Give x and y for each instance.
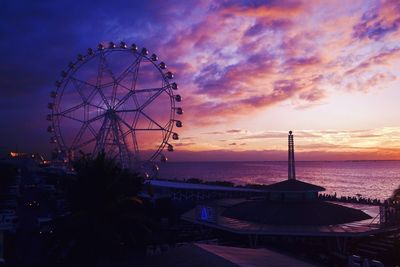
(248, 72)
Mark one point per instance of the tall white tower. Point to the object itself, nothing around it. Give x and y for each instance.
(291, 164)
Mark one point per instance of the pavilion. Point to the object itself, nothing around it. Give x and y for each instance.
(290, 208)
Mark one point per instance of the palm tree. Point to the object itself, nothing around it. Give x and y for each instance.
(107, 216)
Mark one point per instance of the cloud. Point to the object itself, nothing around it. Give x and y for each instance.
(184, 144)
(212, 133)
(234, 131)
(278, 135)
(232, 144)
(231, 59)
(378, 21)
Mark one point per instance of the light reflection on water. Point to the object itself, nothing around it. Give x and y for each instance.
(374, 179)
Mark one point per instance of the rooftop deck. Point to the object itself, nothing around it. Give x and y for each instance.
(359, 228)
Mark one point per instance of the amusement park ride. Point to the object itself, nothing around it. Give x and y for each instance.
(118, 99)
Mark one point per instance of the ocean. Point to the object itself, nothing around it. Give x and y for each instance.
(371, 179)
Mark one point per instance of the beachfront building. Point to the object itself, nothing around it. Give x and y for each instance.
(291, 209)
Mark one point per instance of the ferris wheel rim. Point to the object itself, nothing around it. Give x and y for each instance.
(67, 77)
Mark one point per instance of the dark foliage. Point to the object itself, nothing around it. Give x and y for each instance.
(396, 195)
(8, 172)
(107, 217)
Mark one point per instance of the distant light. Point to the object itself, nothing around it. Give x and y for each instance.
(156, 168)
(163, 158)
(204, 214)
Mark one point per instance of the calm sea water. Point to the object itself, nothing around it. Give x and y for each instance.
(373, 179)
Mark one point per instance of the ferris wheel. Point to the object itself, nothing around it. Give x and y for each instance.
(117, 99)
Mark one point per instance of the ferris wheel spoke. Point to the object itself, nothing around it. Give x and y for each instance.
(100, 71)
(76, 80)
(151, 99)
(96, 118)
(69, 117)
(123, 100)
(137, 91)
(92, 130)
(96, 106)
(147, 129)
(71, 109)
(131, 131)
(103, 97)
(116, 135)
(115, 83)
(103, 61)
(78, 137)
(133, 92)
(101, 137)
(152, 121)
(132, 67)
(126, 124)
(78, 84)
(126, 110)
(133, 85)
(78, 89)
(84, 144)
(124, 142)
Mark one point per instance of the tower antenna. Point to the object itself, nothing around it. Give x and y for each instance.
(291, 162)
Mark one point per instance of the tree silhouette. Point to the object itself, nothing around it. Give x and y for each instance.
(396, 195)
(8, 173)
(107, 217)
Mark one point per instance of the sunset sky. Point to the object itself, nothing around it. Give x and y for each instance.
(248, 71)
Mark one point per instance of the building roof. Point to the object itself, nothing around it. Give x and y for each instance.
(205, 255)
(293, 185)
(294, 213)
(191, 186)
(241, 226)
